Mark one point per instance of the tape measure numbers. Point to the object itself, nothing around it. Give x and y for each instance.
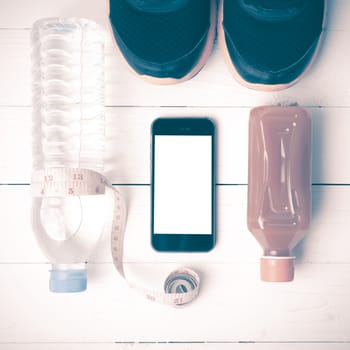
(180, 287)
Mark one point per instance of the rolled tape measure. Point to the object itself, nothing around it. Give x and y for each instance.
(180, 287)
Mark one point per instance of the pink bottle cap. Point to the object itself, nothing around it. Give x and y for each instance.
(277, 268)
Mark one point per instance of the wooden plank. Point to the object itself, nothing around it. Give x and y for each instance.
(21, 14)
(326, 242)
(213, 86)
(233, 306)
(176, 346)
(128, 139)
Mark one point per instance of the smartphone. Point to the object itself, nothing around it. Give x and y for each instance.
(183, 185)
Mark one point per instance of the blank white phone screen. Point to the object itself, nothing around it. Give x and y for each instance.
(183, 184)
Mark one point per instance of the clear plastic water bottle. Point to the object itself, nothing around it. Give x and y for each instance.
(68, 131)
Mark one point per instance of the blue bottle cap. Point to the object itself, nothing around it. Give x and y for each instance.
(67, 281)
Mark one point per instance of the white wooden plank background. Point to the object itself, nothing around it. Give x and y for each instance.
(234, 310)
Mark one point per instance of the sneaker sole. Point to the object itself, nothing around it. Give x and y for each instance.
(262, 87)
(201, 62)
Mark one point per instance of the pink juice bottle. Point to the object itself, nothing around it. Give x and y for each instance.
(279, 185)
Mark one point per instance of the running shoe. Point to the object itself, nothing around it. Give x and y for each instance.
(164, 41)
(270, 44)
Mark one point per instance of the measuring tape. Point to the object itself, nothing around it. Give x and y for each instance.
(180, 287)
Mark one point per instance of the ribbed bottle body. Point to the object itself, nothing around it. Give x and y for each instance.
(68, 94)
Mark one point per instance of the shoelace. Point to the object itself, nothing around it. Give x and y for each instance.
(273, 10)
(157, 6)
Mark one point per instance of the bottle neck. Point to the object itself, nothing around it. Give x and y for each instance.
(278, 253)
(65, 267)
